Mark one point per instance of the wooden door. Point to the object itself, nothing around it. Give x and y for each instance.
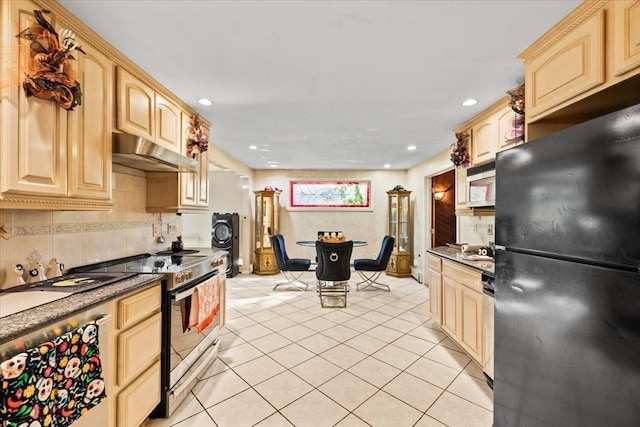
(443, 211)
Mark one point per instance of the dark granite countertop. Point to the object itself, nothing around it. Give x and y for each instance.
(24, 322)
(444, 251)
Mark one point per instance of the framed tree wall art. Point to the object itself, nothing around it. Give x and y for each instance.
(330, 195)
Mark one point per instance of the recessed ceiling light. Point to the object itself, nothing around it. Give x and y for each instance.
(411, 147)
(387, 166)
(274, 165)
(205, 102)
(253, 147)
(469, 102)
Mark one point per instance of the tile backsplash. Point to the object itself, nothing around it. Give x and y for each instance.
(476, 230)
(78, 238)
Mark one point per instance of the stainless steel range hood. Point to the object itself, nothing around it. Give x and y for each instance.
(138, 153)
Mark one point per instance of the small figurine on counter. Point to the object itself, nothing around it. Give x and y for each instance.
(14, 276)
(36, 272)
(54, 268)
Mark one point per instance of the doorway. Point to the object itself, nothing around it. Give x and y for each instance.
(443, 208)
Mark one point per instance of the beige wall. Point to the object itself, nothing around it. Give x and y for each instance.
(419, 177)
(78, 238)
(303, 224)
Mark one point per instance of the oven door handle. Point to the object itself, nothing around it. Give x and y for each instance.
(183, 294)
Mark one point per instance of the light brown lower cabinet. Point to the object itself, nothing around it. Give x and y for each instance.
(434, 279)
(461, 305)
(133, 381)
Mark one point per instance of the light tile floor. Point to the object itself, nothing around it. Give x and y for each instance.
(381, 361)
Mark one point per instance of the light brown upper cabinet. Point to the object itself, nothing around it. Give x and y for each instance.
(585, 66)
(491, 130)
(484, 140)
(571, 66)
(626, 36)
(168, 123)
(90, 128)
(195, 186)
(146, 113)
(180, 192)
(52, 158)
(461, 191)
(136, 106)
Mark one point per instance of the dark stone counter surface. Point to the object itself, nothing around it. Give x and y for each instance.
(24, 322)
(445, 252)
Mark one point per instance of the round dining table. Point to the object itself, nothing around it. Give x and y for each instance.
(312, 243)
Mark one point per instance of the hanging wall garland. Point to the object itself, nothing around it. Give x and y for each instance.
(50, 75)
(197, 139)
(459, 150)
(516, 99)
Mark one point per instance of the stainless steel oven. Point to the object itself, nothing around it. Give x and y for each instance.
(189, 350)
(189, 344)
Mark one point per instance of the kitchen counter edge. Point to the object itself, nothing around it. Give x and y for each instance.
(445, 252)
(27, 321)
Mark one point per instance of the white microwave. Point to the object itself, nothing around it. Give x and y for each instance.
(481, 185)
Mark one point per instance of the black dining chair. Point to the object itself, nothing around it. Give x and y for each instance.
(291, 268)
(333, 272)
(371, 269)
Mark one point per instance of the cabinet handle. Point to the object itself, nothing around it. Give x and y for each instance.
(105, 318)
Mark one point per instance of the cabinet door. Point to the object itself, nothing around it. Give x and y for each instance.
(450, 307)
(461, 189)
(435, 295)
(570, 67)
(626, 36)
(90, 128)
(34, 131)
(135, 106)
(484, 140)
(188, 181)
(471, 322)
(508, 135)
(203, 180)
(138, 347)
(137, 401)
(168, 119)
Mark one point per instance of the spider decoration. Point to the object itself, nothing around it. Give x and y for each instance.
(459, 153)
(197, 139)
(50, 75)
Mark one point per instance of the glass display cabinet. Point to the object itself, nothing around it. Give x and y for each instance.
(400, 227)
(266, 210)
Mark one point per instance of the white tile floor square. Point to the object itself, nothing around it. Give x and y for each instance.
(380, 362)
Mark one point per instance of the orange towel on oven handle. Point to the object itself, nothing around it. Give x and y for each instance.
(205, 303)
(194, 309)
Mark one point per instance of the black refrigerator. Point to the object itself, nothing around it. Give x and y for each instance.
(567, 300)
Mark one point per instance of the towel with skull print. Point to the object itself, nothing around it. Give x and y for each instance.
(54, 383)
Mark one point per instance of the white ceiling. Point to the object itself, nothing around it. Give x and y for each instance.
(328, 84)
